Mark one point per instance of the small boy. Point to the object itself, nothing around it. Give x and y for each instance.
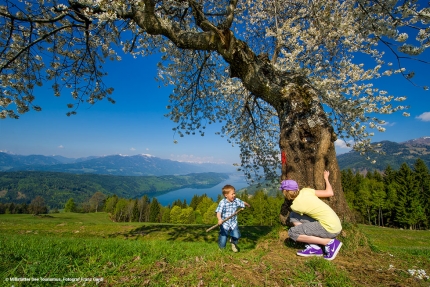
(315, 223)
(226, 207)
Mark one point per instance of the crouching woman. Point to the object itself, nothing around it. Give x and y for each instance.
(315, 223)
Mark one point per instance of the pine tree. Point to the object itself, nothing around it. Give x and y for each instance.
(422, 175)
(347, 178)
(135, 214)
(177, 202)
(378, 199)
(363, 200)
(389, 175)
(408, 198)
(390, 204)
(154, 210)
(144, 209)
(194, 201)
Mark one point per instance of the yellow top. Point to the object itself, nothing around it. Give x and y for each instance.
(309, 204)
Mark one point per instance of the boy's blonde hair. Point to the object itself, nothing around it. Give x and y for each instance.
(227, 189)
(290, 194)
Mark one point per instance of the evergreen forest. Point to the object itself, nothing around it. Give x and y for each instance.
(396, 198)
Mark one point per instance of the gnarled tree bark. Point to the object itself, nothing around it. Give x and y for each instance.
(307, 144)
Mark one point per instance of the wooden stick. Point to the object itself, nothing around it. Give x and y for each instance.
(224, 220)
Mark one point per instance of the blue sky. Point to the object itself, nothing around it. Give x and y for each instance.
(136, 123)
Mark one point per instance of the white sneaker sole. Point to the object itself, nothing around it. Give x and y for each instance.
(335, 253)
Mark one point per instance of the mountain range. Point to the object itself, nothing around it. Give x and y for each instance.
(390, 153)
(137, 165)
(394, 154)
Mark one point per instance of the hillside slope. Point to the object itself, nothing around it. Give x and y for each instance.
(395, 154)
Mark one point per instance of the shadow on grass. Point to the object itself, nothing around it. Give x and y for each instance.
(194, 233)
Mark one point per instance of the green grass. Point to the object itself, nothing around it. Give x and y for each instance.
(413, 242)
(70, 246)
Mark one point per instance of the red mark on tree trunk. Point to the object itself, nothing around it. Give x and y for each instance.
(283, 158)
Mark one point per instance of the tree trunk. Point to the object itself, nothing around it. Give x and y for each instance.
(307, 147)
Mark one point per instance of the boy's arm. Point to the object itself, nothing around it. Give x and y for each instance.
(328, 192)
(240, 201)
(218, 215)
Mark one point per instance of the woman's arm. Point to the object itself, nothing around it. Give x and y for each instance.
(328, 192)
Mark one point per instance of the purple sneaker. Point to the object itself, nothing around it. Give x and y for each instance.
(310, 251)
(332, 249)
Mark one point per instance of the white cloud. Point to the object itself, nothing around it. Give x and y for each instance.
(425, 117)
(342, 144)
(341, 147)
(132, 149)
(60, 146)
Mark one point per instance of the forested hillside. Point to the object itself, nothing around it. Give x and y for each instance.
(396, 198)
(57, 188)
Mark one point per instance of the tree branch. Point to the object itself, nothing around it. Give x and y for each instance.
(16, 56)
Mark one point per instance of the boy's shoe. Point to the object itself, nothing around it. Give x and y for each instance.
(310, 251)
(332, 249)
(234, 248)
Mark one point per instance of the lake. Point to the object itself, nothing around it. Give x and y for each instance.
(237, 180)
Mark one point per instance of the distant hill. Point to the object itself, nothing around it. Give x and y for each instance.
(56, 188)
(137, 165)
(395, 154)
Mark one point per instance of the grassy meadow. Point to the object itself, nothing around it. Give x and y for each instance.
(73, 249)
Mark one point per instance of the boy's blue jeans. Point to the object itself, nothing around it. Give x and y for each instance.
(224, 233)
